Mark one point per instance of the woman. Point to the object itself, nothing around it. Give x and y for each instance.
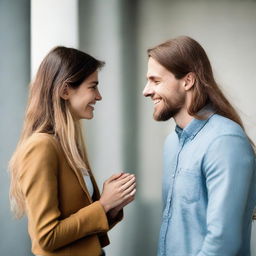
(66, 214)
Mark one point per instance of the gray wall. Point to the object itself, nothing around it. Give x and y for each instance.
(14, 77)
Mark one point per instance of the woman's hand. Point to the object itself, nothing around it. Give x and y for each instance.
(118, 191)
(114, 211)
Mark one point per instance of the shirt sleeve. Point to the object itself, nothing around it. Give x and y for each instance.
(38, 182)
(229, 167)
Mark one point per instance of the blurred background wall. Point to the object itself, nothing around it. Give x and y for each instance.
(123, 135)
(14, 78)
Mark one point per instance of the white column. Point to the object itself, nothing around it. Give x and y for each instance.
(52, 23)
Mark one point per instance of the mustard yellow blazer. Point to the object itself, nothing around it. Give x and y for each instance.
(62, 217)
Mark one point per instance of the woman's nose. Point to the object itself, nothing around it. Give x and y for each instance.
(98, 96)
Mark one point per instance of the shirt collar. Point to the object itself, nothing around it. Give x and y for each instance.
(193, 128)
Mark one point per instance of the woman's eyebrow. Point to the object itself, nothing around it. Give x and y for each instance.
(94, 82)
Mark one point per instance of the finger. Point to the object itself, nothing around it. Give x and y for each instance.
(115, 176)
(127, 201)
(129, 189)
(133, 192)
(128, 184)
(123, 176)
(126, 179)
(130, 199)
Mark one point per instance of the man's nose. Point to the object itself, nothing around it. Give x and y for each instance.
(147, 90)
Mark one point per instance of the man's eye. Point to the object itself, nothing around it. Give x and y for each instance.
(157, 82)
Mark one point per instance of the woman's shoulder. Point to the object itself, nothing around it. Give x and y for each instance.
(38, 151)
(42, 141)
(41, 138)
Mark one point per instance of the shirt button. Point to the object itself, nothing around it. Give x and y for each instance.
(173, 176)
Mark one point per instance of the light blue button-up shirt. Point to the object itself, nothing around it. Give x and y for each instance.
(209, 190)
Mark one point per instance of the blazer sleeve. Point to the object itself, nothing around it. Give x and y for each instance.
(113, 221)
(229, 170)
(38, 182)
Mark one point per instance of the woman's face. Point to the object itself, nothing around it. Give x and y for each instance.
(83, 99)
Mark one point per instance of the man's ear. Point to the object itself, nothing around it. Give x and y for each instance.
(65, 92)
(189, 81)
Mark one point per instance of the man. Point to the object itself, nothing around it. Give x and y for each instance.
(209, 176)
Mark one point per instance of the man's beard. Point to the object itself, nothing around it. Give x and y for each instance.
(168, 111)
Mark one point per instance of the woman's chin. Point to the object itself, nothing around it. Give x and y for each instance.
(88, 117)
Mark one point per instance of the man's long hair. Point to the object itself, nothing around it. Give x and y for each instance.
(48, 112)
(182, 55)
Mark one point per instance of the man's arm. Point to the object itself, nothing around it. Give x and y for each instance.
(229, 170)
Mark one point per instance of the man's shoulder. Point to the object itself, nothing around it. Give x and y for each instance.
(220, 126)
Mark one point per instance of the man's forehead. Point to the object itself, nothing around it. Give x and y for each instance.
(155, 69)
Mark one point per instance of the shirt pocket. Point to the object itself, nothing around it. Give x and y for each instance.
(188, 185)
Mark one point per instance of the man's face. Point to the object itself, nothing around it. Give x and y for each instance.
(165, 90)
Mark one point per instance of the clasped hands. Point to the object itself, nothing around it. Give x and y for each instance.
(118, 191)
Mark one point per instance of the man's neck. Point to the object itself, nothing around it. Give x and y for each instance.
(182, 119)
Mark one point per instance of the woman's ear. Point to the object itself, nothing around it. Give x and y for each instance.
(189, 81)
(65, 92)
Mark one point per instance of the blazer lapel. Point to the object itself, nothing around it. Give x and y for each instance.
(96, 192)
(82, 183)
(78, 173)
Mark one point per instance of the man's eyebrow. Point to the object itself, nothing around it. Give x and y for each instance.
(152, 77)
